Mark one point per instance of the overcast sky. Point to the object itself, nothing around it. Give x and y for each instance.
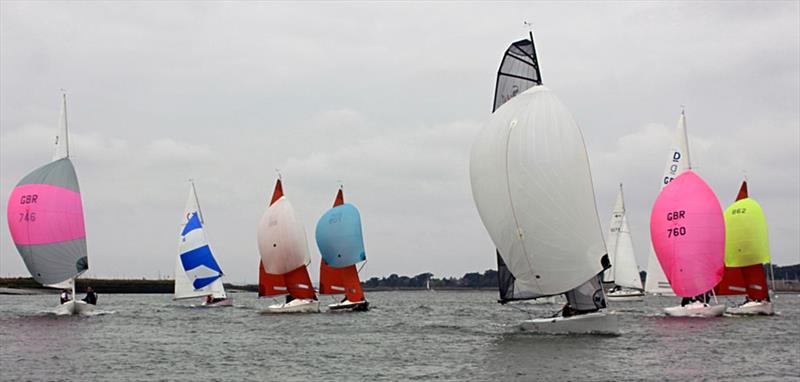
(386, 98)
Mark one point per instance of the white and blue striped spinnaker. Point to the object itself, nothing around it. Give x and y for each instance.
(196, 257)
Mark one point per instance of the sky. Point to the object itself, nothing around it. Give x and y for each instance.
(386, 99)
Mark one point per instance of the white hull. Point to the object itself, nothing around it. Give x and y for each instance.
(625, 295)
(300, 305)
(591, 323)
(695, 309)
(226, 302)
(349, 306)
(752, 308)
(74, 307)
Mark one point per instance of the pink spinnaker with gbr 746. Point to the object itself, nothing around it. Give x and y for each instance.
(45, 217)
(688, 233)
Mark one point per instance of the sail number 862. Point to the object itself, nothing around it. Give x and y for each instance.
(677, 231)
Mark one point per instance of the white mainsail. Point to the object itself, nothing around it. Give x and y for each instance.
(183, 285)
(624, 271)
(61, 145)
(678, 162)
(533, 189)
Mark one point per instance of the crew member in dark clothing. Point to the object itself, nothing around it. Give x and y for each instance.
(91, 297)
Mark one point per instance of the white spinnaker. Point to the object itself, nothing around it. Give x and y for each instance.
(533, 189)
(677, 162)
(282, 239)
(614, 227)
(626, 272)
(183, 286)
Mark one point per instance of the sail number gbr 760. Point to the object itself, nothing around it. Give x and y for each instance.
(678, 230)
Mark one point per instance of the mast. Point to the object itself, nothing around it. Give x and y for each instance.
(197, 202)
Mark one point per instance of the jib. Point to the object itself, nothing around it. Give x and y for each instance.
(28, 199)
(675, 215)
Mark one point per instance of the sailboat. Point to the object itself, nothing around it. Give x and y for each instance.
(45, 217)
(284, 258)
(678, 161)
(532, 186)
(197, 273)
(688, 234)
(746, 252)
(341, 245)
(624, 273)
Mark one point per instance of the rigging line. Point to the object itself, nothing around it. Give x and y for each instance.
(519, 232)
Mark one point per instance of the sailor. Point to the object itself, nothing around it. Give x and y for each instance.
(91, 297)
(65, 296)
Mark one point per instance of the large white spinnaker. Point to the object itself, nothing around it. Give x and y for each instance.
(203, 266)
(677, 162)
(533, 189)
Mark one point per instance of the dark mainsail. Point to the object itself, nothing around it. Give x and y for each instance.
(519, 71)
(506, 281)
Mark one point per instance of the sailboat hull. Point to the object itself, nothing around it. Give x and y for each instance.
(625, 295)
(300, 305)
(695, 310)
(349, 306)
(219, 304)
(752, 308)
(74, 307)
(591, 323)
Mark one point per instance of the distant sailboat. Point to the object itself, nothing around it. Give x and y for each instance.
(341, 245)
(688, 234)
(624, 273)
(677, 162)
(45, 217)
(531, 183)
(284, 258)
(197, 273)
(746, 252)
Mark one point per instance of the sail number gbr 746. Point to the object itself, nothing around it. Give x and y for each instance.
(674, 216)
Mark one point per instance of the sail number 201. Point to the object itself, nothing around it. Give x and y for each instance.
(673, 216)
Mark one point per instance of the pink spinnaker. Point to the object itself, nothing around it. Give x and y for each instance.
(687, 229)
(57, 210)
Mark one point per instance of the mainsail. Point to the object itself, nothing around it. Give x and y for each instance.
(677, 162)
(746, 249)
(688, 234)
(284, 250)
(197, 272)
(341, 244)
(519, 71)
(45, 217)
(619, 242)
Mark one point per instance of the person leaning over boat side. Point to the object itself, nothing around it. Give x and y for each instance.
(65, 296)
(91, 297)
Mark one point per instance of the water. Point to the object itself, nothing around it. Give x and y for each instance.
(447, 336)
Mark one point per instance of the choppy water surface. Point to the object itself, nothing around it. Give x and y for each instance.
(406, 336)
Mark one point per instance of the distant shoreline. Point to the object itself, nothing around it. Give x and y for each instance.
(27, 286)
